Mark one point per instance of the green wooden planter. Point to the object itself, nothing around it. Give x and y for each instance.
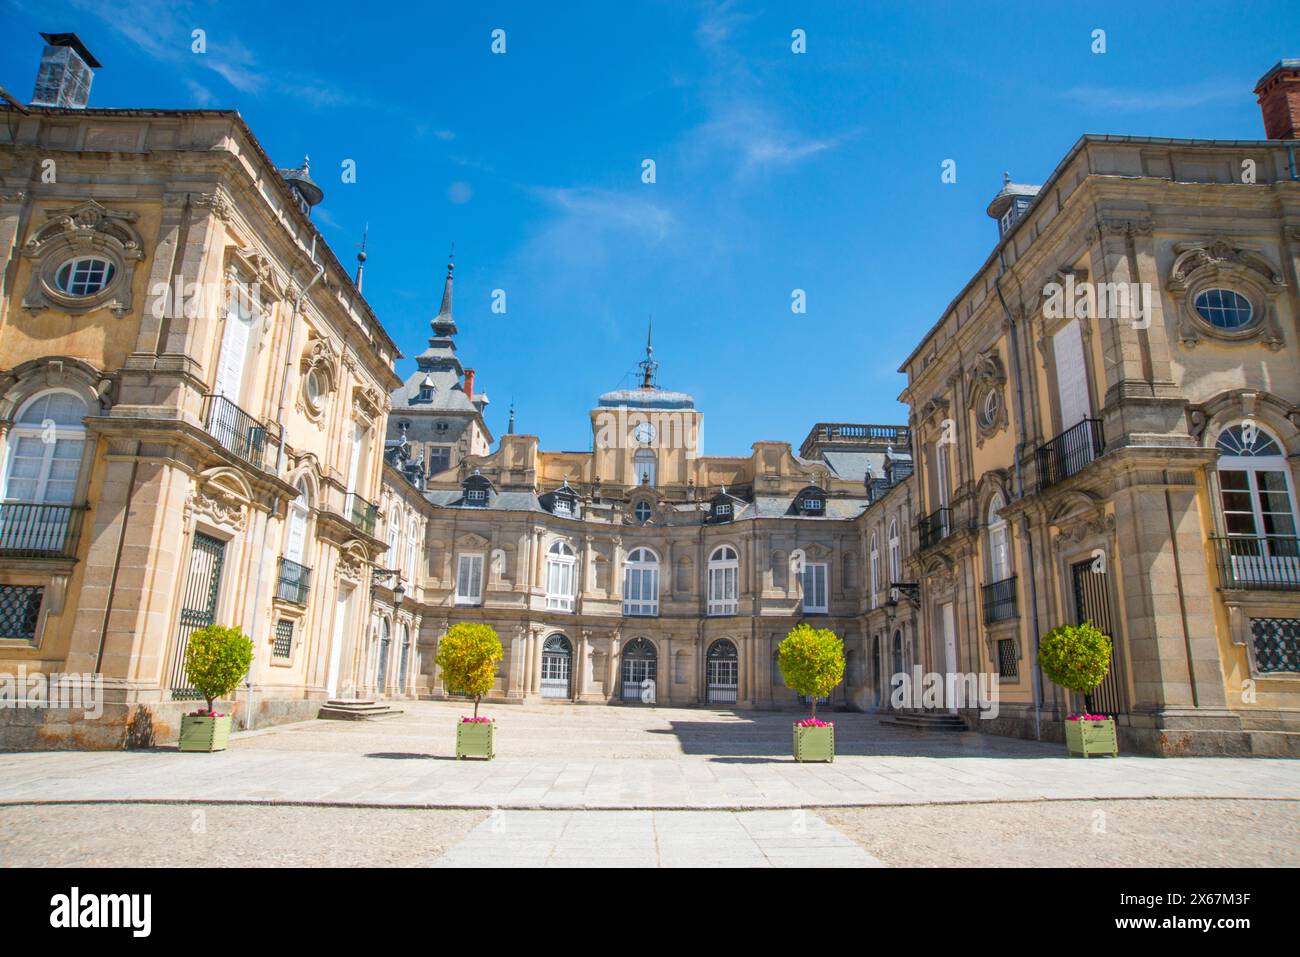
(201, 733)
(474, 739)
(814, 744)
(1087, 738)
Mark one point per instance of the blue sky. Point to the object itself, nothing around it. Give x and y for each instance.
(775, 171)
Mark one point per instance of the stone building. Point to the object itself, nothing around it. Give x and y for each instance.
(642, 571)
(1106, 427)
(193, 397)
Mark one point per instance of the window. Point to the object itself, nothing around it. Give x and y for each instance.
(875, 571)
(561, 577)
(45, 449)
(723, 509)
(20, 610)
(426, 393)
(562, 506)
(1008, 662)
(412, 550)
(1224, 309)
(814, 587)
(643, 512)
(439, 459)
(641, 583)
(283, 644)
(295, 542)
(988, 409)
(315, 391)
(999, 551)
(476, 496)
(724, 572)
(394, 524)
(85, 276)
(469, 580)
(643, 467)
(894, 555)
(1255, 493)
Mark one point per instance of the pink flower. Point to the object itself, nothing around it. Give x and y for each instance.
(465, 720)
(813, 723)
(1088, 717)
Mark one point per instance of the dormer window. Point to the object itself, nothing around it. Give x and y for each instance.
(643, 512)
(476, 496)
(723, 509)
(811, 501)
(426, 393)
(563, 506)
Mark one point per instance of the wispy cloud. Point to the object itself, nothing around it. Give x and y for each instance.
(1113, 99)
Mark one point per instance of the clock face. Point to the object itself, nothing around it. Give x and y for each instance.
(645, 433)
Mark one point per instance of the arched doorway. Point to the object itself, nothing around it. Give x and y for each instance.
(721, 671)
(875, 671)
(640, 671)
(557, 667)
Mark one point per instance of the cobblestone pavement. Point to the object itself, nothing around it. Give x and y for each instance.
(568, 757)
(1079, 834)
(1185, 833)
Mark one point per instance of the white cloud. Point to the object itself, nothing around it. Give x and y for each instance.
(1102, 99)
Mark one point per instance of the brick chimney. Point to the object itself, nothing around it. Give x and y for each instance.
(1279, 100)
(469, 384)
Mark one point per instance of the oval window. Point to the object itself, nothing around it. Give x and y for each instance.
(85, 276)
(314, 389)
(1224, 309)
(988, 413)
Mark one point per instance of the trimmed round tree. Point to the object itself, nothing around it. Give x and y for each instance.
(216, 661)
(467, 657)
(1075, 657)
(811, 661)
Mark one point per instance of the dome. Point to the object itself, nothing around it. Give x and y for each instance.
(647, 399)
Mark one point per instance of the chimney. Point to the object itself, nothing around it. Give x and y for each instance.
(469, 384)
(1279, 100)
(65, 74)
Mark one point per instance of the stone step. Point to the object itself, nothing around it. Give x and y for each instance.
(356, 710)
(926, 722)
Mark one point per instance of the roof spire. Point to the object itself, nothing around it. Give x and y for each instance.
(361, 256)
(648, 365)
(510, 429)
(443, 323)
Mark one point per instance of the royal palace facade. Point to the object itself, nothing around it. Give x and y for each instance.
(200, 422)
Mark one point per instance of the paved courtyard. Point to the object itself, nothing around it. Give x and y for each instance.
(576, 785)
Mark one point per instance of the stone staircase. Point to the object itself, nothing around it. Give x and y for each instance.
(926, 721)
(356, 709)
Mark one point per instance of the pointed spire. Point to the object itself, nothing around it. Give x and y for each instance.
(648, 364)
(361, 256)
(510, 429)
(443, 323)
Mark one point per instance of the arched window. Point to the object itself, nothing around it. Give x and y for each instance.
(875, 570)
(1258, 505)
(412, 549)
(403, 663)
(643, 466)
(895, 558)
(44, 449)
(641, 583)
(999, 547)
(295, 540)
(724, 569)
(898, 652)
(561, 577)
(394, 533)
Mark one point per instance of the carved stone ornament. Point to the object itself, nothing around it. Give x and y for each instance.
(986, 395)
(1220, 263)
(369, 403)
(88, 229)
(320, 359)
(351, 566)
(216, 505)
(1080, 528)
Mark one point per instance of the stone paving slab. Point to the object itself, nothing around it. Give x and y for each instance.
(573, 757)
(656, 839)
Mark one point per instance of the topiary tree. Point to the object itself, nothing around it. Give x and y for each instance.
(811, 661)
(467, 658)
(1076, 657)
(216, 660)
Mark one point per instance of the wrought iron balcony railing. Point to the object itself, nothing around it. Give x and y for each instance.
(32, 530)
(235, 430)
(935, 527)
(361, 513)
(1258, 562)
(294, 582)
(1000, 600)
(1069, 452)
